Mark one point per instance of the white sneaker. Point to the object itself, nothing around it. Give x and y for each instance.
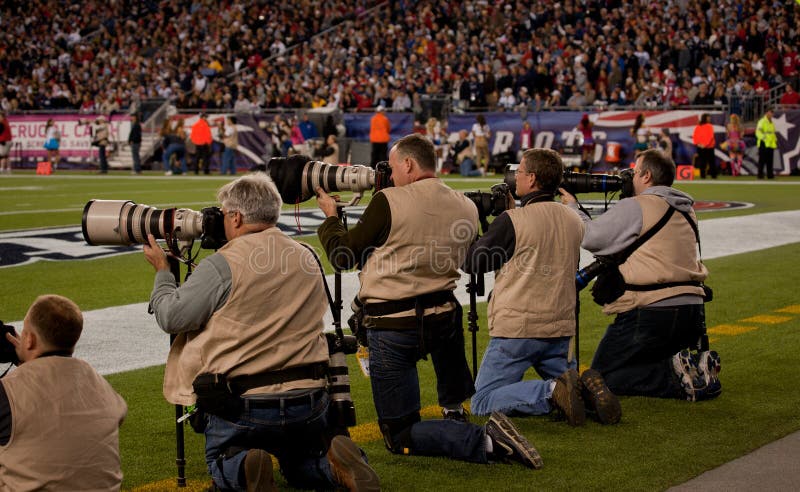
(168, 173)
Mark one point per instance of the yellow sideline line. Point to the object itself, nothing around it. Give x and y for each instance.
(369, 431)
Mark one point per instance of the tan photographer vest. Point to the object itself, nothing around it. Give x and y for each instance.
(432, 228)
(271, 321)
(534, 292)
(671, 255)
(65, 428)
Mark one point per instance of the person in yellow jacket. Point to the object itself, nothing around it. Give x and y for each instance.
(767, 143)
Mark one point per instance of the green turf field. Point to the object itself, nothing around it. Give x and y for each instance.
(753, 321)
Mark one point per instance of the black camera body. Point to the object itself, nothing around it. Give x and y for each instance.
(7, 351)
(491, 203)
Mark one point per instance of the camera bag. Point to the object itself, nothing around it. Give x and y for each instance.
(610, 284)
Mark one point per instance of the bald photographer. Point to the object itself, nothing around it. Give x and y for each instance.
(251, 353)
(653, 285)
(408, 245)
(59, 419)
(535, 250)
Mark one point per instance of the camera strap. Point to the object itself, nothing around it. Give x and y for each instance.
(649, 234)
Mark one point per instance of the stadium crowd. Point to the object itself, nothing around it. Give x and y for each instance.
(106, 56)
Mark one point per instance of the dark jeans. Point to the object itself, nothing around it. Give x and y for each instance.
(297, 434)
(635, 354)
(137, 160)
(393, 356)
(101, 150)
(203, 158)
(707, 161)
(765, 160)
(379, 153)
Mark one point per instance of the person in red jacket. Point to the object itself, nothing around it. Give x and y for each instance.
(202, 139)
(379, 128)
(790, 97)
(703, 138)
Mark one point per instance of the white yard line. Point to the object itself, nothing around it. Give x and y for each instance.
(123, 338)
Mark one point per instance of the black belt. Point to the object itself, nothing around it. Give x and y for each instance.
(284, 402)
(426, 301)
(242, 384)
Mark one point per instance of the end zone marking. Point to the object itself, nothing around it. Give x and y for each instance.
(730, 329)
(789, 309)
(768, 319)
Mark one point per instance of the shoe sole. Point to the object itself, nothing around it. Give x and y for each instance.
(604, 403)
(682, 366)
(574, 411)
(258, 472)
(345, 456)
(531, 456)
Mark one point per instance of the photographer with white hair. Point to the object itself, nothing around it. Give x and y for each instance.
(251, 352)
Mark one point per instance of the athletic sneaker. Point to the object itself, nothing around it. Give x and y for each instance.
(258, 471)
(566, 398)
(599, 400)
(688, 373)
(509, 444)
(349, 468)
(461, 415)
(710, 365)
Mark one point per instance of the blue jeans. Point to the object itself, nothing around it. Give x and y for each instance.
(228, 161)
(500, 387)
(467, 168)
(180, 149)
(297, 434)
(635, 354)
(393, 356)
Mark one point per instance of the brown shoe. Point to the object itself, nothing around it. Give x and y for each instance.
(258, 471)
(600, 401)
(567, 398)
(349, 468)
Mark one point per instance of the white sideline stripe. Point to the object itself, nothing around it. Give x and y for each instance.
(123, 338)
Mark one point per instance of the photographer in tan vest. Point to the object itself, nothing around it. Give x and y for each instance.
(535, 250)
(409, 244)
(59, 419)
(251, 352)
(658, 295)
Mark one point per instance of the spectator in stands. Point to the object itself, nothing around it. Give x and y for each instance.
(379, 136)
(507, 101)
(308, 128)
(790, 97)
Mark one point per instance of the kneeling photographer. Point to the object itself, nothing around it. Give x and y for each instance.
(531, 313)
(59, 419)
(409, 244)
(652, 282)
(251, 352)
